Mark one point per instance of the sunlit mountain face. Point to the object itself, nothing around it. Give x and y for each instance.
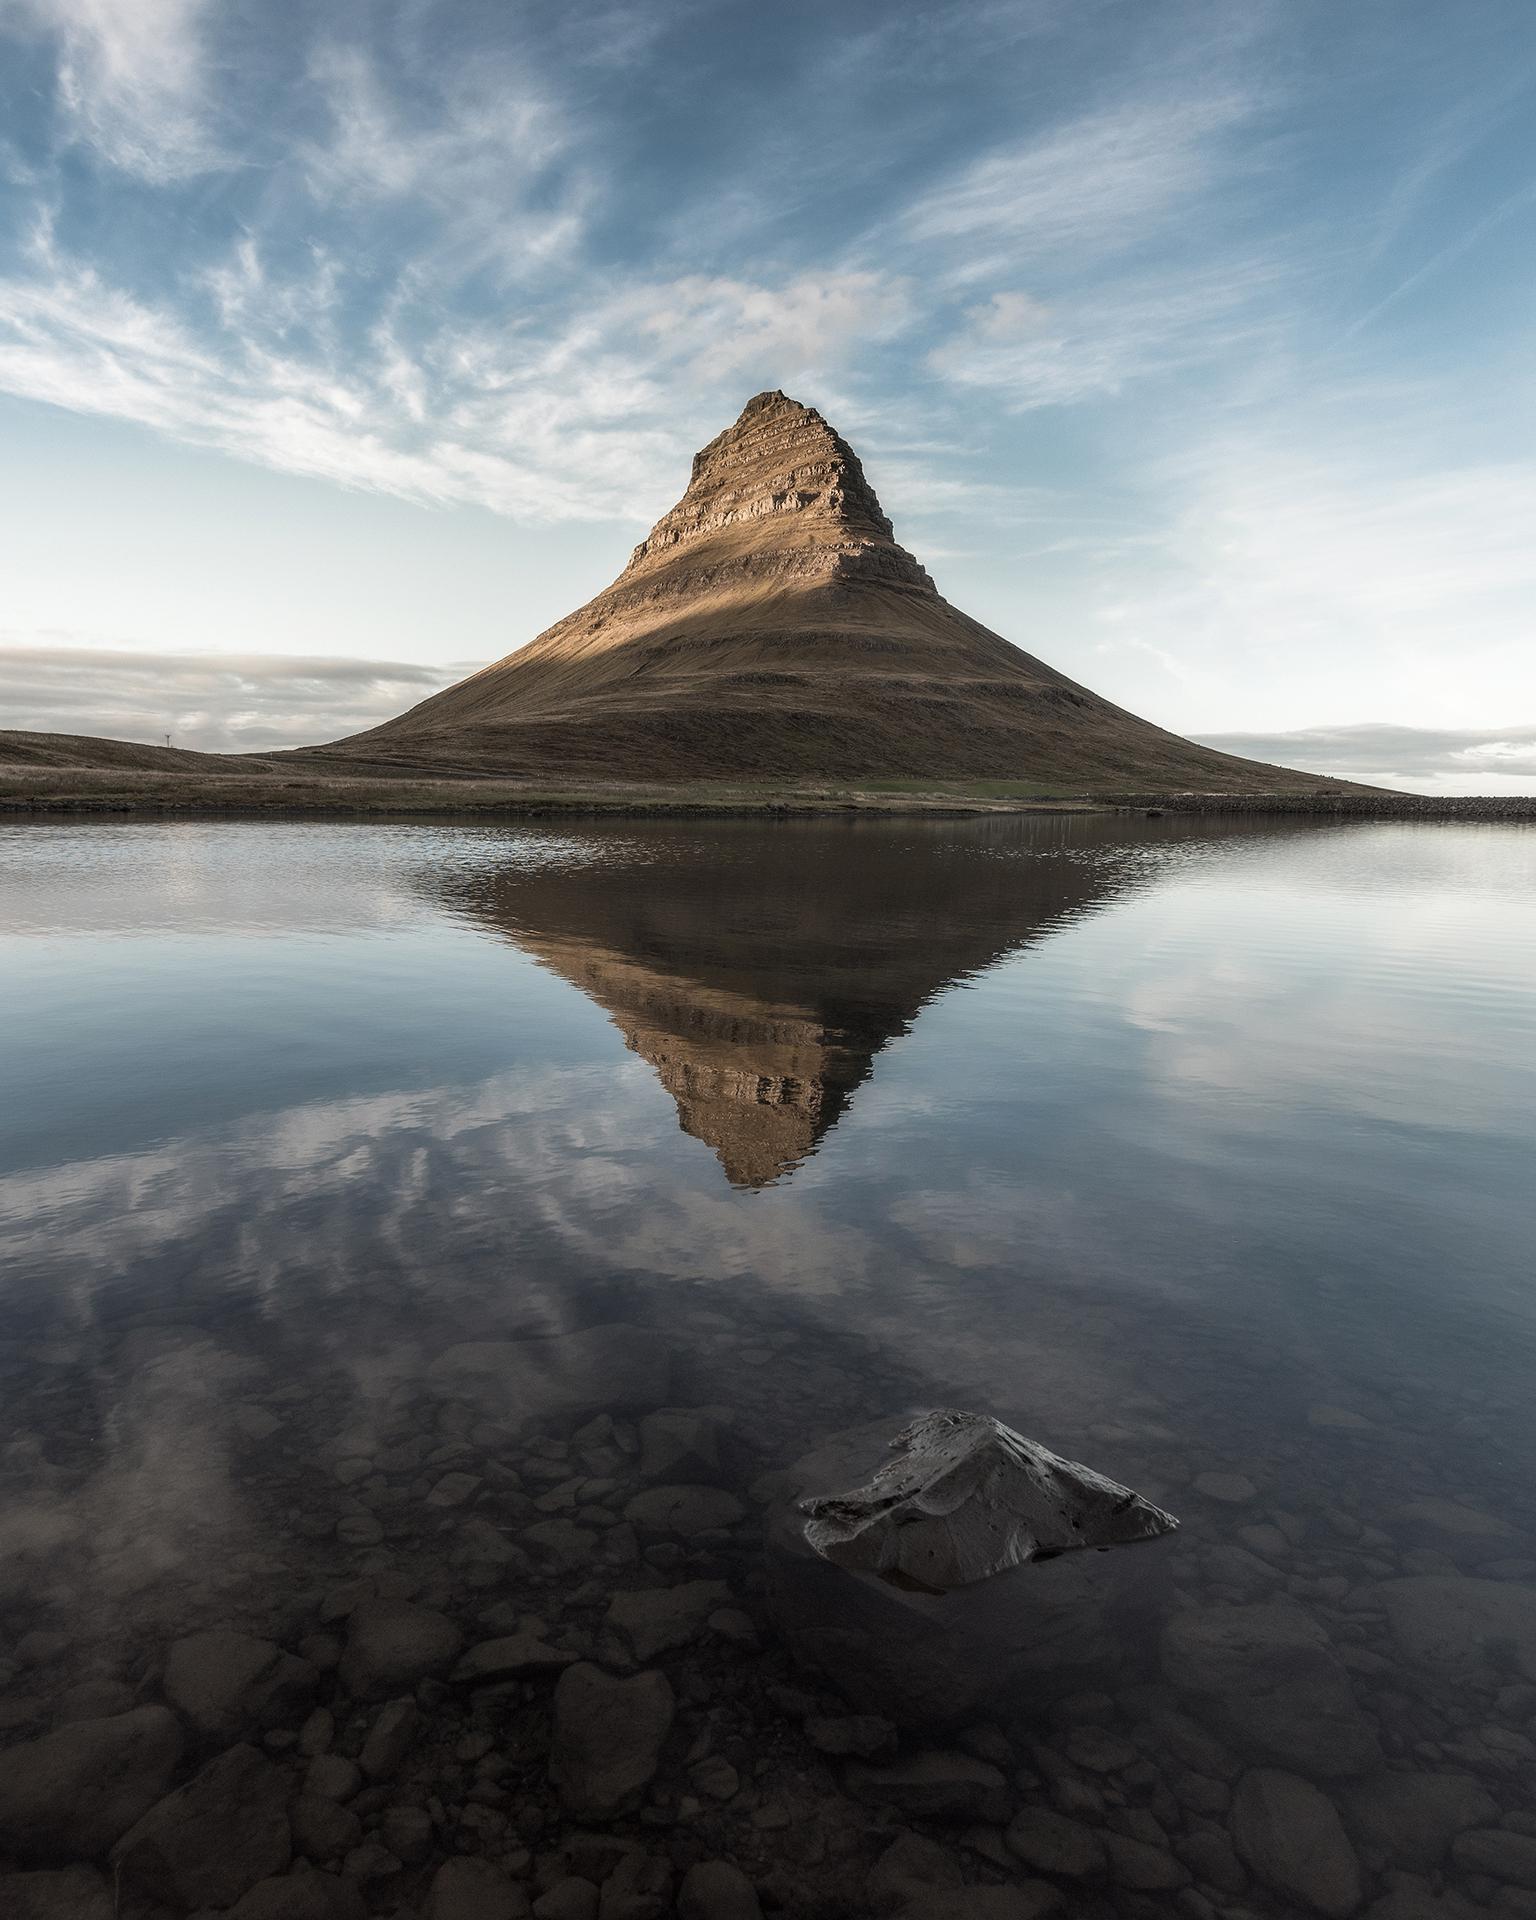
(770, 626)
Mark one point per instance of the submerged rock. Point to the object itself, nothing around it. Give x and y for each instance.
(683, 1443)
(656, 1620)
(223, 1684)
(517, 1656)
(391, 1644)
(716, 1890)
(474, 1890)
(1412, 1818)
(683, 1510)
(607, 1739)
(1269, 1681)
(389, 1739)
(965, 1498)
(1463, 1629)
(1292, 1838)
(558, 1377)
(74, 1893)
(934, 1786)
(1028, 1901)
(1051, 1843)
(300, 1896)
(212, 1840)
(72, 1793)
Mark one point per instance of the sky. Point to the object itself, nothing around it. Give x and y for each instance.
(1188, 342)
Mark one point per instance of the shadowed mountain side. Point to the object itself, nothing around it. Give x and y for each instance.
(770, 626)
(760, 972)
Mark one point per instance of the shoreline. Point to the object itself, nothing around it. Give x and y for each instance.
(69, 795)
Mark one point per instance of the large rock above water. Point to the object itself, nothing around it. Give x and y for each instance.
(923, 1660)
(565, 1376)
(69, 1795)
(1268, 1680)
(963, 1497)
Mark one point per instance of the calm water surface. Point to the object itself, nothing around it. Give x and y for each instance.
(1200, 1153)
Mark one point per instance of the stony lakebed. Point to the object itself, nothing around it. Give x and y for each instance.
(537, 1654)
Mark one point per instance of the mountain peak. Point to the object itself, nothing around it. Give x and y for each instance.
(770, 626)
(770, 398)
(779, 482)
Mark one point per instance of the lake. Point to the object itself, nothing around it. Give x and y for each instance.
(437, 1256)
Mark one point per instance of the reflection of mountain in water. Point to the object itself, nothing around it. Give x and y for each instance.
(759, 971)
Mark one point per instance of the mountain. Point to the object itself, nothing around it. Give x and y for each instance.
(769, 626)
(761, 972)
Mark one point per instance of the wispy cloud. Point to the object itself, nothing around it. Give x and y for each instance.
(130, 78)
(1090, 187)
(1087, 342)
(1434, 153)
(217, 702)
(574, 418)
(1113, 247)
(1452, 251)
(413, 303)
(487, 157)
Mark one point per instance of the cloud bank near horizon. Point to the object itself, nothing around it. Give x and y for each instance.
(214, 702)
(1434, 760)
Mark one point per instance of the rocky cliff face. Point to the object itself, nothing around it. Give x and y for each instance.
(770, 627)
(779, 471)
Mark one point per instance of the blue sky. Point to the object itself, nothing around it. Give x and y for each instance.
(1190, 344)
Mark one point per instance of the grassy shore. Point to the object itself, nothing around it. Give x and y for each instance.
(55, 790)
(37, 790)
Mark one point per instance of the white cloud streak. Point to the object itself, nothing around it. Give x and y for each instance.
(576, 422)
(1090, 187)
(130, 78)
(478, 161)
(1446, 255)
(1096, 341)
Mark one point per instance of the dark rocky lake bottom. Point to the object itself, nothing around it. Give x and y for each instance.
(437, 1259)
